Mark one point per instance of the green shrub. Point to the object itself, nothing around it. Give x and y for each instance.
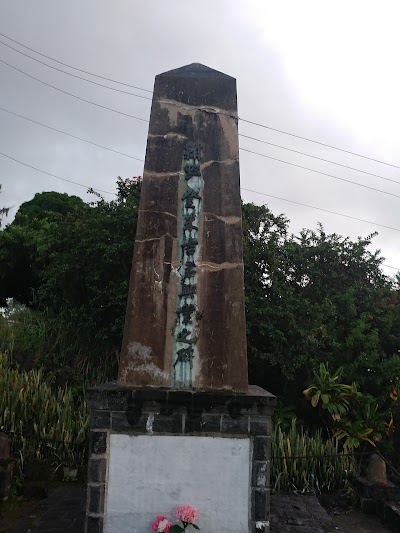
(48, 424)
(306, 461)
(50, 341)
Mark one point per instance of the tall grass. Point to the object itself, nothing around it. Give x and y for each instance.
(41, 339)
(47, 423)
(306, 461)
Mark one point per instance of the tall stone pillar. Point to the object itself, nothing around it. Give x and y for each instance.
(185, 323)
(182, 425)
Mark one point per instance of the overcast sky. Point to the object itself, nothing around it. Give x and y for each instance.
(325, 70)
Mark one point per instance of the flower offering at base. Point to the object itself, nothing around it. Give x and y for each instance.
(187, 514)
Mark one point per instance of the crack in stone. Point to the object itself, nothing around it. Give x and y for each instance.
(155, 238)
(158, 212)
(227, 219)
(209, 163)
(153, 174)
(167, 135)
(205, 109)
(219, 266)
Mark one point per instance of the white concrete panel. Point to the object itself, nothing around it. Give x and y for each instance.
(152, 474)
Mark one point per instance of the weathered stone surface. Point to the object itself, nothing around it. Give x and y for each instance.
(185, 321)
(293, 513)
(376, 470)
(111, 397)
(376, 491)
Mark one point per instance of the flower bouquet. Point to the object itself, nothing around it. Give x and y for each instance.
(186, 514)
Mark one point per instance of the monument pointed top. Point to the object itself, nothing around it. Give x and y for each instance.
(197, 85)
(195, 70)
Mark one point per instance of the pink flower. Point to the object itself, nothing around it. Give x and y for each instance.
(187, 514)
(161, 525)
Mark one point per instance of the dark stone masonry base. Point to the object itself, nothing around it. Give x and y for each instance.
(380, 499)
(117, 410)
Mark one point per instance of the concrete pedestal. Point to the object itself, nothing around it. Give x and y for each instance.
(152, 450)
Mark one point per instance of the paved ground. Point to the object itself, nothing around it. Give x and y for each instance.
(358, 522)
(63, 511)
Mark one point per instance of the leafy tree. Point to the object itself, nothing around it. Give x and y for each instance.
(45, 203)
(20, 242)
(310, 298)
(85, 265)
(70, 262)
(314, 298)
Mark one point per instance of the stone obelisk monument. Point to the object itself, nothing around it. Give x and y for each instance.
(182, 425)
(185, 323)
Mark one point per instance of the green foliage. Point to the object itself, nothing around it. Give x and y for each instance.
(283, 415)
(329, 392)
(45, 204)
(48, 424)
(314, 298)
(305, 461)
(86, 267)
(20, 242)
(366, 422)
(75, 259)
(310, 298)
(48, 340)
(357, 418)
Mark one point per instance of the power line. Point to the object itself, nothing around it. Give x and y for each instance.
(142, 160)
(319, 158)
(327, 211)
(53, 175)
(243, 149)
(149, 91)
(74, 68)
(323, 173)
(73, 95)
(74, 75)
(317, 142)
(242, 188)
(70, 135)
(321, 209)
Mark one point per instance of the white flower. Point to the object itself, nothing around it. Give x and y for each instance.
(162, 525)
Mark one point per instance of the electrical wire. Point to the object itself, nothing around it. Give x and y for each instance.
(241, 119)
(70, 135)
(53, 175)
(242, 188)
(73, 95)
(142, 160)
(317, 142)
(74, 75)
(327, 211)
(323, 173)
(74, 68)
(319, 158)
(321, 209)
